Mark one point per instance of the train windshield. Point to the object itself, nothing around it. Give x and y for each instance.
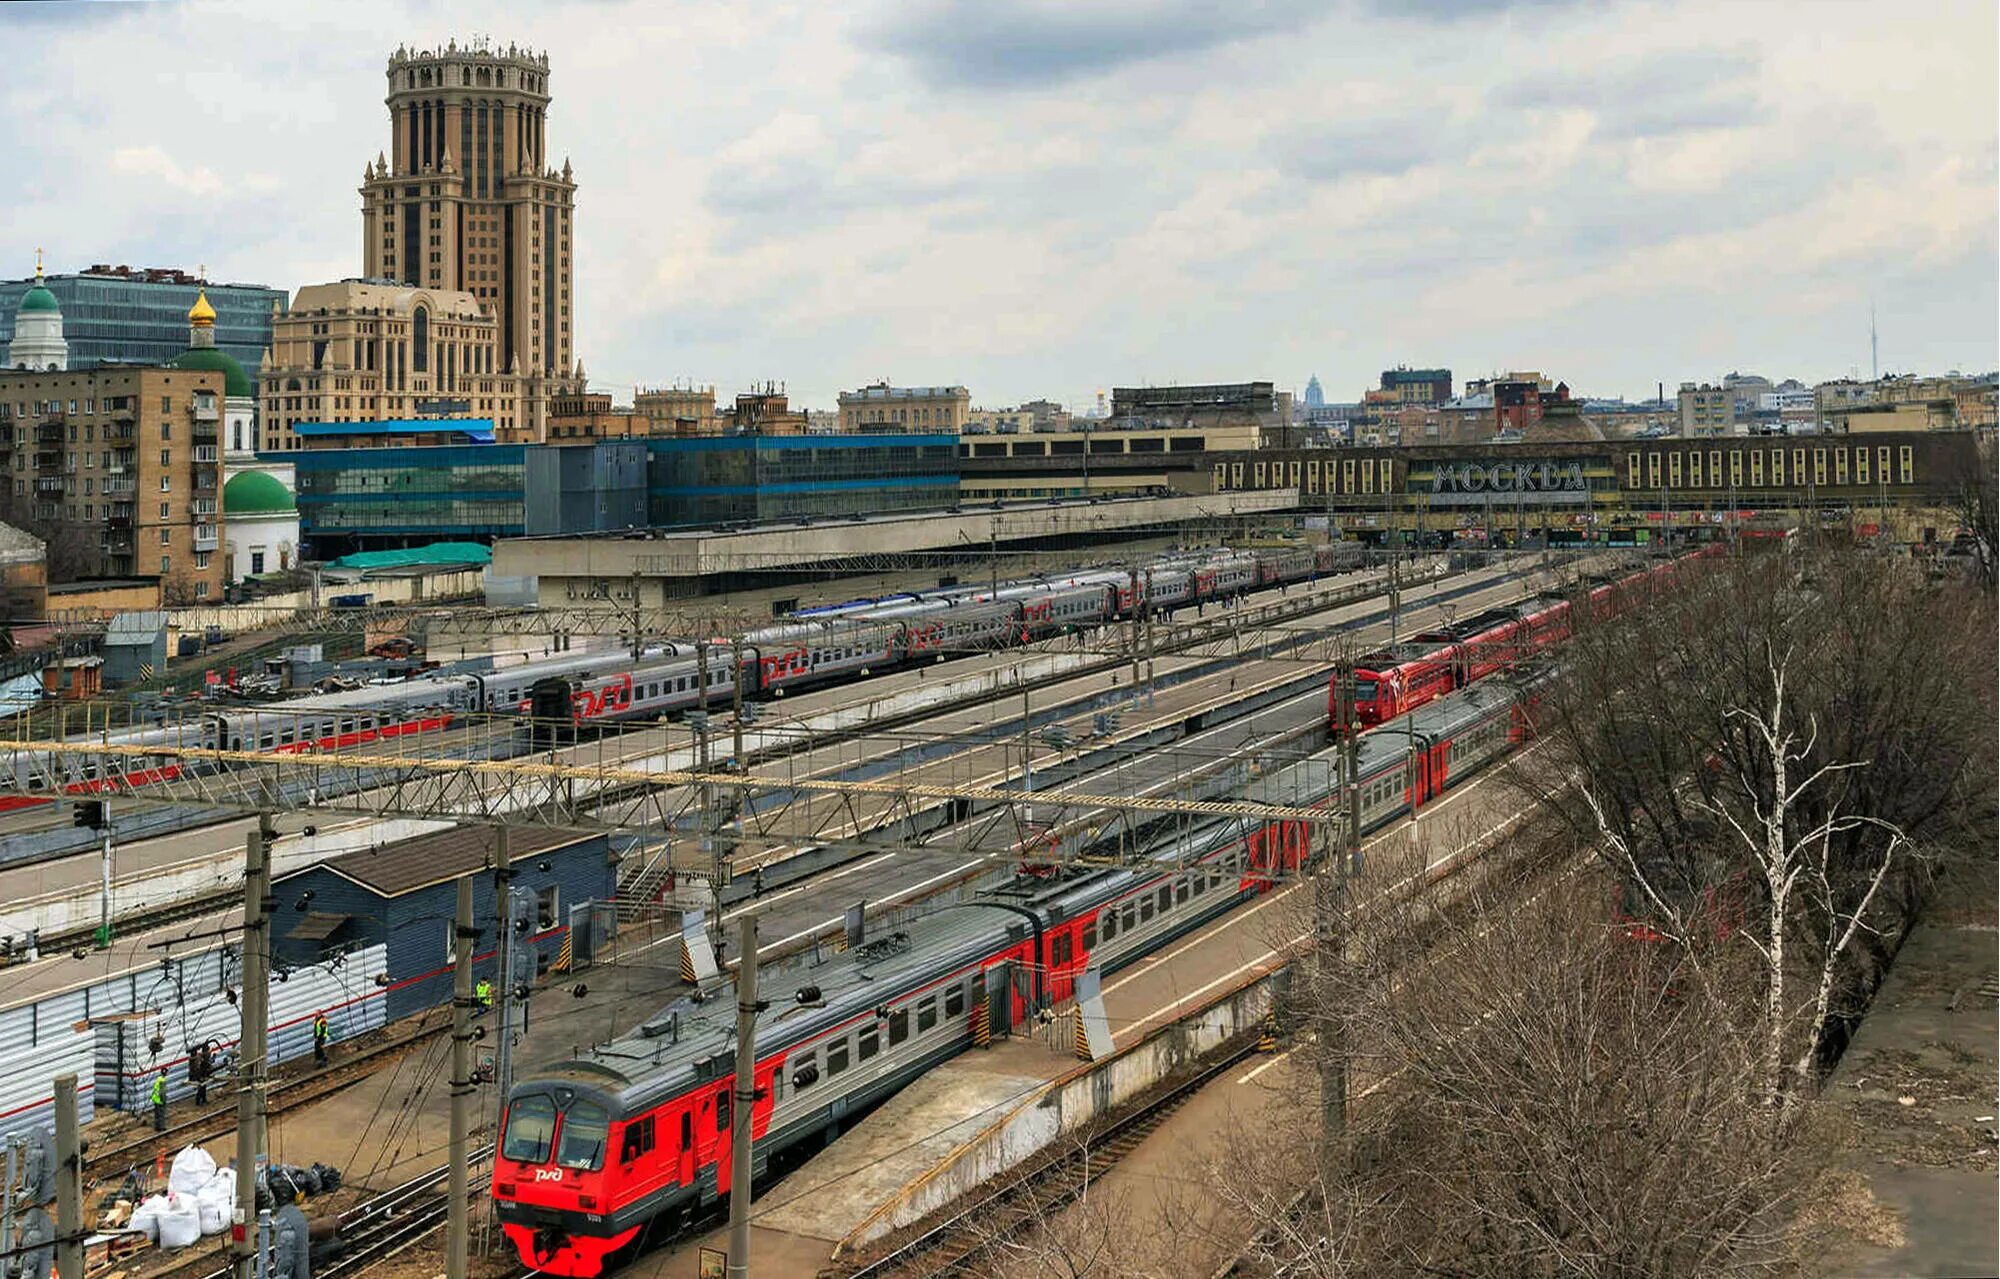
(584, 1128)
(531, 1129)
(1364, 691)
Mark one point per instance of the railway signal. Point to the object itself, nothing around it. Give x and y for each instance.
(89, 814)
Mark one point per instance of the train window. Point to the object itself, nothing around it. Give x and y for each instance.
(926, 1013)
(1166, 896)
(687, 1130)
(1110, 923)
(804, 1072)
(836, 1057)
(954, 1001)
(1180, 892)
(1090, 936)
(866, 1043)
(638, 1140)
(899, 1026)
(1145, 908)
(583, 1131)
(722, 1110)
(1200, 881)
(1059, 949)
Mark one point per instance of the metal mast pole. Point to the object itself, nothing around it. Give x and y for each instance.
(1138, 603)
(1148, 606)
(253, 1066)
(746, 1099)
(458, 1225)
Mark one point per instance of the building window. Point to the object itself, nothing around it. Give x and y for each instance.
(166, 537)
(1907, 464)
(166, 565)
(166, 404)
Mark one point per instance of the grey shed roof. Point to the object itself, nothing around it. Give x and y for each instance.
(135, 628)
(439, 858)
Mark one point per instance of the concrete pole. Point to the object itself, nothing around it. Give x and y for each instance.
(252, 1057)
(740, 1116)
(736, 700)
(69, 1180)
(1330, 927)
(104, 880)
(458, 1226)
(503, 980)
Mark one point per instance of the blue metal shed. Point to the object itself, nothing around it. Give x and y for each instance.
(402, 895)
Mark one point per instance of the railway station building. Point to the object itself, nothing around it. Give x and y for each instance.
(442, 480)
(1575, 491)
(402, 896)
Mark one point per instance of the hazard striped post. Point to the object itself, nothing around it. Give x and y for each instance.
(562, 961)
(1267, 1041)
(982, 1023)
(1079, 1037)
(687, 963)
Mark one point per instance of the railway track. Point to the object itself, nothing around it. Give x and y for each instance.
(282, 1095)
(1024, 1197)
(372, 1231)
(1283, 609)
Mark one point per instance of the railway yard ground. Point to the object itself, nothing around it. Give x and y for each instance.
(1249, 690)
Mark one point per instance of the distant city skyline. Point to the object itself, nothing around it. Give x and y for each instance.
(1037, 199)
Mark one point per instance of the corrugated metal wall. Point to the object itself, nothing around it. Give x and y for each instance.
(190, 1008)
(27, 1080)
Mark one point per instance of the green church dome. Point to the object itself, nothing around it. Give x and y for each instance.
(39, 299)
(256, 493)
(235, 382)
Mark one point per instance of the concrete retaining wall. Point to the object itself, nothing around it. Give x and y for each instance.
(1066, 1105)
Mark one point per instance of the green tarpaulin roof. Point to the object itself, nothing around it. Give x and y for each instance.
(435, 553)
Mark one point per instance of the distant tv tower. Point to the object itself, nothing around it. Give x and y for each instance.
(1874, 352)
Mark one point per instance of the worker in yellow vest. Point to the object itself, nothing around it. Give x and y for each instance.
(483, 992)
(160, 1101)
(321, 1033)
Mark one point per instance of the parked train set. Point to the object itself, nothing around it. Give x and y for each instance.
(596, 1149)
(1398, 678)
(818, 646)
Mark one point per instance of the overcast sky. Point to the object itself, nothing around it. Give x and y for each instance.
(1053, 197)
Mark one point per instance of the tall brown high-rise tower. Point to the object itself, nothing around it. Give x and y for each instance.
(466, 199)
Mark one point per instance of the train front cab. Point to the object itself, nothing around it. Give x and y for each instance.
(554, 1194)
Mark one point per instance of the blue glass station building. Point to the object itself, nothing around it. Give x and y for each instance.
(413, 482)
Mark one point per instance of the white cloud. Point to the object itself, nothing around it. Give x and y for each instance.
(1041, 199)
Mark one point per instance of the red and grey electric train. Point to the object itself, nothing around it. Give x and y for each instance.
(638, 1131)
(847, 641)
(1397, 678)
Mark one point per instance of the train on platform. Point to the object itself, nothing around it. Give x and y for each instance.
(570, 691)
(1397, 678)
(635, 1135)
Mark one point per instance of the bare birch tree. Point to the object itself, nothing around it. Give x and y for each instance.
(1777, 750)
